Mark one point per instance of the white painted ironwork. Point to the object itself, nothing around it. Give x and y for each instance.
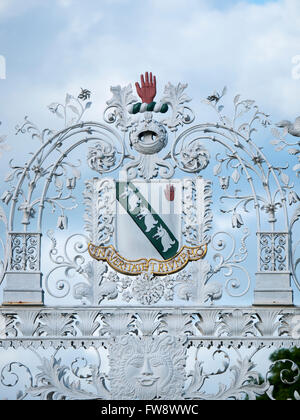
(149, 336)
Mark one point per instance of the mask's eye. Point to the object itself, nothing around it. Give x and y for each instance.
(155, 362)
(137, 363)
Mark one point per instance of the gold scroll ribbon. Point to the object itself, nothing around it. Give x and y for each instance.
(143, 265)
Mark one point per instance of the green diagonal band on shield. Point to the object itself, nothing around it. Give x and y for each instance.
(160, 235)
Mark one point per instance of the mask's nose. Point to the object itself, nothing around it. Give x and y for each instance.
(146, 370)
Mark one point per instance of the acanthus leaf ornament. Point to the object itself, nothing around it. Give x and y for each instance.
(117, 107)
(177, 99)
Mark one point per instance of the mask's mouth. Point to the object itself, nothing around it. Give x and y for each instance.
(147, 381)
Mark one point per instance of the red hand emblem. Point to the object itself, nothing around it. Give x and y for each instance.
(147, 90)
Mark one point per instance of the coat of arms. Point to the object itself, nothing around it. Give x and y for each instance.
(144, 224)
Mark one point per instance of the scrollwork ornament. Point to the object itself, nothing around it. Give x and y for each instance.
(71, 264)
(13, 374)
(25, 250)
(231, 262)
(295, 259)
(52, 383)
(244, 382)
(287, 376)
(102, 157)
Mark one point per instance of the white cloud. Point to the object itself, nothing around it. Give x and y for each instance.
(65, 3)
(5, 5)
(10, 8)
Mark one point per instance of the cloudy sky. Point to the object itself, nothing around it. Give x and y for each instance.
(54, 46)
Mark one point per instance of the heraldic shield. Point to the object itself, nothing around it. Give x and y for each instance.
(158, 226)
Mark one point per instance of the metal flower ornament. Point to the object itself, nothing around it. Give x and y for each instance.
(132, 240)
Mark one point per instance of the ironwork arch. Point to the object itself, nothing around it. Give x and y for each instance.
(174, 321)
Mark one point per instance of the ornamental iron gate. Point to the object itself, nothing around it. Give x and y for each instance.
(165, 267)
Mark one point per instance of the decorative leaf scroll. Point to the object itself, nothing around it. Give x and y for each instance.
(176, 97)
(3, 245)
(122, 98)
(162, 340)
(54, 384)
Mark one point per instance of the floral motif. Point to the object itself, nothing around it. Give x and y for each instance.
(148, 289)
(195, 157)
